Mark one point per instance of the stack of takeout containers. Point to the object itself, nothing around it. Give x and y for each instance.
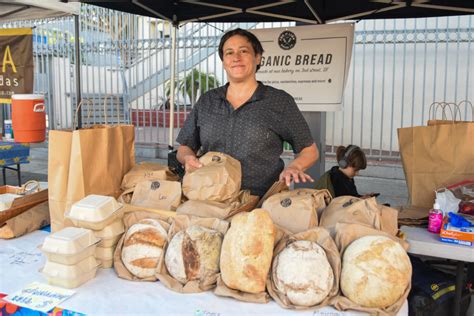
(70, 254)
(102, 214)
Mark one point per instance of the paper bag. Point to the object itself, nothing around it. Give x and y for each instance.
(182, 222)
(147, 171)
(27, 222)
(345, 235)
(23, 203)
(219, 179)
(320, 236)
(434, 157)
(100, 157)
(243, 203)
(129, 219)
(297, 210)
(163, 195)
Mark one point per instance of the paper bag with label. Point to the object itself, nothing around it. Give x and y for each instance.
(219, 179)
(297, 210)
(163, 195)
(147, 171)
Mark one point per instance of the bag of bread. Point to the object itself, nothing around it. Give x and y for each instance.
(293, 282)
(353, 210)
(376, 270)
(193, 253)
(140, 252)
(147, 171)
(219, 179)
(246, 257)
(161, 195)
(297, 210)
(243, 203)
(27, 222)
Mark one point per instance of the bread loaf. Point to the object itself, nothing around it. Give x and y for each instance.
(303, 273)
(193, 254)
(143, 247)
(376, 271)
(247, 251)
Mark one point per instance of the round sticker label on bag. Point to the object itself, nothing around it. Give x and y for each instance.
(285, 202)
(216, 158)
(155, 185)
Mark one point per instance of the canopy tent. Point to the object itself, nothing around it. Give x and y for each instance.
(16, 10)
(307, 11)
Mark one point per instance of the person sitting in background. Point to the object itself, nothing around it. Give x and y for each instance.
(339, 180)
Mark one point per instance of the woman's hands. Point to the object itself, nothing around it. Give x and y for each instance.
(291, 173)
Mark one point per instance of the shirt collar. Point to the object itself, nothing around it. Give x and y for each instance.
(257, 95)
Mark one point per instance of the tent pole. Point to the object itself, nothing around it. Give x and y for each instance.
(172, 85)
(77, 57)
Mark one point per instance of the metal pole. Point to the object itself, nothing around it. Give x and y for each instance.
(173, 76)
(77, 56)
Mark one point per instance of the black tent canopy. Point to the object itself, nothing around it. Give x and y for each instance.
(306, 11)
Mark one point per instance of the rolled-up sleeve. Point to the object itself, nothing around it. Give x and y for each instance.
(189, 134)
(295, 128)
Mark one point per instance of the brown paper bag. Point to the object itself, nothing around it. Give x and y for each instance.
(23, 203)
(349, 209)
(434, 157)
(163, 195)
(27, 222)
(129, 219)
(181, 222)
(222, 290)
(345, 235)
(243, 203)
(59, 143)
(100, 157)
(147, 171)
(320, 236)
(218, 180)
(297, 210)
(276, 187)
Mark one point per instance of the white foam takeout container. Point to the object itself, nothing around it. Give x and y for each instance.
(70, 276)
(110, 235)
(69, 245)
(105, 255)
(6, 200)
(95, 212)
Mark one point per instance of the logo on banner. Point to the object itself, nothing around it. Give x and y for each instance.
(287, 40)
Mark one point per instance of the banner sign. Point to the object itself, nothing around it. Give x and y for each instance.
(309, 62)
(16, 62)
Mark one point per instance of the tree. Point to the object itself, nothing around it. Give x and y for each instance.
(193, 85)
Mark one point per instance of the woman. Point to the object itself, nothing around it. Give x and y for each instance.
(248, 121)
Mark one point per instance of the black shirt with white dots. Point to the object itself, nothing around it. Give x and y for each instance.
(253, 133)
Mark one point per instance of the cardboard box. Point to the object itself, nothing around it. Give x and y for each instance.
(451, 233)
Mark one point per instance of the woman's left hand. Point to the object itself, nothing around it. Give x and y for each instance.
(293, 174)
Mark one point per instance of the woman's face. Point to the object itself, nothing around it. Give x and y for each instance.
(240, 61)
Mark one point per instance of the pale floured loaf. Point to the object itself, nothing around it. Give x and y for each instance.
(193, 254)
(247, 251)
(143, 247)
(376, 271)
(303, 273)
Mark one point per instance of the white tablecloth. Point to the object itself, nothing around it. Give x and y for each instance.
(20, 260)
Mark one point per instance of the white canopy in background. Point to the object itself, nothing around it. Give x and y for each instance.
(15, 10)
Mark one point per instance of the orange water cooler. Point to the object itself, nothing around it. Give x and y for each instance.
(28, 118)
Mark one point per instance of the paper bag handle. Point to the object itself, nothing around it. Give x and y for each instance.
(105, 106)
(77, 111)
(468, 104)
(35, 187)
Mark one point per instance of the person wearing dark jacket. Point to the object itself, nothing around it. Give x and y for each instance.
(339, 180)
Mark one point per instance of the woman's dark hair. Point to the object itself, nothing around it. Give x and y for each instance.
(256, 45)
(356, 158)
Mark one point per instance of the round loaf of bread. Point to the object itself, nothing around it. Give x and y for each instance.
(193, 254)
(142, 248)
(302, 272)
(376, 271)
(247, 251)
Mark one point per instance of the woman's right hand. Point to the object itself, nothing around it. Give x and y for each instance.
(191, 163)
